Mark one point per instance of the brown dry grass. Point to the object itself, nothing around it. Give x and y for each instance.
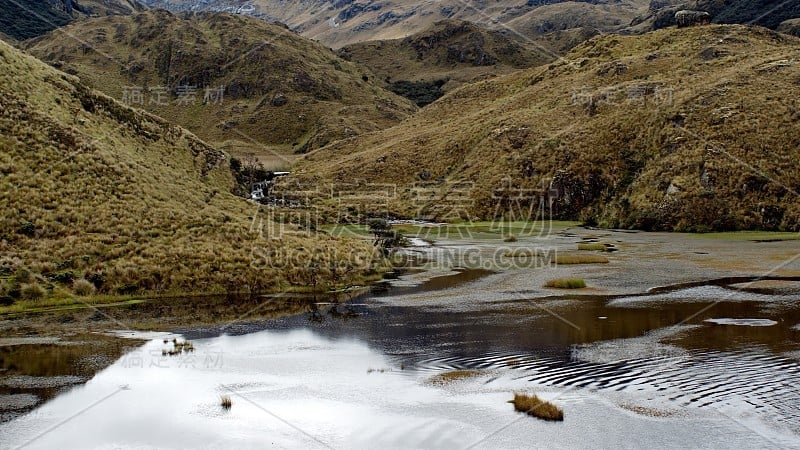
(566, 283)
(94, 190)
(536, 407)
(327, 97)
(455, 375)
(674, 158)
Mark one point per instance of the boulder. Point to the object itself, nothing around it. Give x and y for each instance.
(791, 26)
(688, 18)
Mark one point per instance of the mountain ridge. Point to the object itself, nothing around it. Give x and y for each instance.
(238, 82)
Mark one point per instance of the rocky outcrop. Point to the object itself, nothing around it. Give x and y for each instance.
(791, 26)
(688, 18)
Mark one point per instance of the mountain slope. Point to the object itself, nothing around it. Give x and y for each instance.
(94, 190)
(238, 82)
(678, 129)
(766, 13)
(24, 19)
(450, 50)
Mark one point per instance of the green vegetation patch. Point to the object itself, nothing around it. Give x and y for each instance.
(420, 92)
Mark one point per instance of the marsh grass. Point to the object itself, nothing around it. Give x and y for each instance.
(455, 375)
(83, 288)
(566, 283)
(536, 407)
(595, 246)
(570, 258)
(32, 291)
(225, 402)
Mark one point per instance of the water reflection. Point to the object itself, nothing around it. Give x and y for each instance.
(353, 373)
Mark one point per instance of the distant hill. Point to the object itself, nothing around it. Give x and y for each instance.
(238, 82)
(452, 52)
(338, 23)
(678, 129)
(25, 19)
(96, 192)
(766, 13)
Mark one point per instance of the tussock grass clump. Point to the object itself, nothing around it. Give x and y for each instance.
(32, 291)
(454, 375)
(510, 238)
(536, 407)
(566, 283)
(83, 287)
(225, 401)
(580, 259)
(595, 246)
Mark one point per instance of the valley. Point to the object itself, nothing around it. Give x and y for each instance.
(386, 223)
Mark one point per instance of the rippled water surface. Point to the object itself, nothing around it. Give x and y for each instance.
(702, 366)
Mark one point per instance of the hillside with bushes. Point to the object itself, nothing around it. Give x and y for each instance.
(678, 129)
(238, 82)
(101, 199)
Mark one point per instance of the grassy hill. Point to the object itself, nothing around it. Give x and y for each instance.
(455, 52)
(679, 129)
(238, 82)
(101, 199)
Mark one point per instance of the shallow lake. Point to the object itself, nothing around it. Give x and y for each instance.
(707, 365)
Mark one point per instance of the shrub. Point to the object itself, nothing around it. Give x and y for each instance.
(420, 92)
(23, 276)
(566, 283)
(83, 287)
(536, 407)
(97, 278)
(65, 277)
(32, 291)
(27, 229)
